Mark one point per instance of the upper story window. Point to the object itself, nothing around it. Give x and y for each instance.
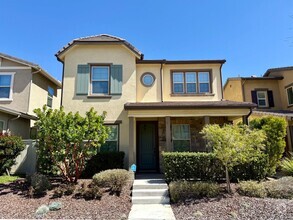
(290, 95)
(262, 99)
(50, 97)
(6, 86)
(191, 82)
(147, 79)
(100, 80)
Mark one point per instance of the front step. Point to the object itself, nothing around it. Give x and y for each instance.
(150, 200)
(149, 184)
(149, 192)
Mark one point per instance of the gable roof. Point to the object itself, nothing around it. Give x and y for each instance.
(267, 73)
(17, 113)
(32, 65)
(102, 38)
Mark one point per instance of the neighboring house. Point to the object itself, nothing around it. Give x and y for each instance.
(24, 86)
(273, 94)
(152, 105)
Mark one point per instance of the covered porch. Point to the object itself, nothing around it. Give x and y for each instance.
(174, 126)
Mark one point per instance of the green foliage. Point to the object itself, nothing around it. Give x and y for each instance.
(115, 179)
(206, 167)
(62, 136)
(10, 148)
(8, 179)
(103, 161)
(182, 190)
(275, 130)
(281, 188)
(252, 189)
(88, 192)
(233, 145)
(64, 189)
(287, 166)
(39, 184)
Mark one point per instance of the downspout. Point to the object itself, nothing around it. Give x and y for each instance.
(161, 79)
(247, 116)
(61, 99)
(221, 82)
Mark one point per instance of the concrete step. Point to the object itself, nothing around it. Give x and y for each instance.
(150, 192)
(149, 186)
(150, 200)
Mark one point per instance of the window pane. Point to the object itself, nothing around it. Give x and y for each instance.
(178, 77)
(204, 87)
(191, 88)
(290, 95)
(190, 77)
(100, 73)
(49, 101)
(262, 102)
(178, 87)
(113, 135)
(100, 87)
(5, 80)
(1, 126)
(50, 91)
(203, 77)
(4, 92)
(180, 132)
(109, 146)
(181, 145)
(148, 79)
(261, 94)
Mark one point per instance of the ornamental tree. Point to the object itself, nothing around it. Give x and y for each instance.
(69, 139)
(233, 145)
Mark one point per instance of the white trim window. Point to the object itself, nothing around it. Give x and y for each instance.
(100, 76)
(181, 137)
(204, 82)
(112, 142)
(50, 97)
(6, 86)
(290, 95)
(262, 98)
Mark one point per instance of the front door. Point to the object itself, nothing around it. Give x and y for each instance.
(147, 149)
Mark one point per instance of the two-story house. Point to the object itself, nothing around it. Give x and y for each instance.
(24, 86)
(152, 105)
(272, 93)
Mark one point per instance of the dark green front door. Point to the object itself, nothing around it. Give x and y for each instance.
(147, 146)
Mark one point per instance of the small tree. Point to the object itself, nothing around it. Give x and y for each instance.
(275, 130)
(233, 145)
(69, 139)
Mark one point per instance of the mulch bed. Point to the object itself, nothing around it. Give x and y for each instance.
(14, 203)
(235, 207)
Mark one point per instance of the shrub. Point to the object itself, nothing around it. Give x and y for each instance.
(88, 192)
(114, 179)
(182, 190)
(39, 183)
(206, 167)
(275, 129)
(252, 189)
(281, 188)
(287, 166)
(103, 161)
(10, 148)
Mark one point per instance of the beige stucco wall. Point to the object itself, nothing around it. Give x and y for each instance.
(39, 93)
(216, 82)
(6, 62)
(233, 90)
(115, 54)
(250, 85)
(152, 93)
(19, 127)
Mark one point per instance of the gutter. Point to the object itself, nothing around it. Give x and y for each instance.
(161, 78)
(222, 93)
(247, 116)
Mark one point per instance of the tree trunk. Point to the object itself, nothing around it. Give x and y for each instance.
(228, 180)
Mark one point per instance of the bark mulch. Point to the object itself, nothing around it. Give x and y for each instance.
(235, 207)
(14, 203)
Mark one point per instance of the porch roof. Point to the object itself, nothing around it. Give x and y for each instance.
(288, 114)
(187, 105)
(17, 113)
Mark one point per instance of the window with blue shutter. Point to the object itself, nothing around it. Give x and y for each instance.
(116, 80)
(82, 79)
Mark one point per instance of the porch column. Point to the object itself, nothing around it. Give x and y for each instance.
(168, 134)
(206, 120)
(289, 139)
(132, 144)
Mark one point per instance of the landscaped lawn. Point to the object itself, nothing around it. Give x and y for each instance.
(7, 179)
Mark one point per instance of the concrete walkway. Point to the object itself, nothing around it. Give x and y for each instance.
(150, 199)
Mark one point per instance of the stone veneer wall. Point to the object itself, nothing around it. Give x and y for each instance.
(196, 125)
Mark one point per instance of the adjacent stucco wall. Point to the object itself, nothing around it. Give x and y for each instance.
(5, 62)
(19, 127)
(39, 93)
(215, 80)
(114, 106)
(233, 90)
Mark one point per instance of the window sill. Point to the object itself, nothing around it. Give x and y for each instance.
(99, 96)
(6, 100)
(191, 94)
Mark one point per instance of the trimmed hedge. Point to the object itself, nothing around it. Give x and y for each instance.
(103, 161)
(206, 167)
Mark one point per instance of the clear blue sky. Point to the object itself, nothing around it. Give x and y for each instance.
(252, 35)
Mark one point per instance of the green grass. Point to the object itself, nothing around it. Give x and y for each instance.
(7, 179)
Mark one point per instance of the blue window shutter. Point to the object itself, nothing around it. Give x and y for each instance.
(82, 79)
(116, 79)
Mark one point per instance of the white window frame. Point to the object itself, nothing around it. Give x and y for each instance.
(11, 85)
(91, 83)
(265, 98)
(290, 87)
(118, 136)
(49, 97)
(183, 82)
(204, 82)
